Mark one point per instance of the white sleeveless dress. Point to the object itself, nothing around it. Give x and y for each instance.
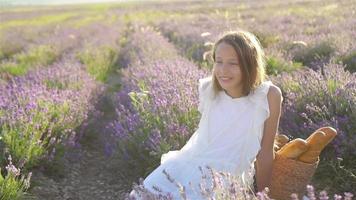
(228, 139)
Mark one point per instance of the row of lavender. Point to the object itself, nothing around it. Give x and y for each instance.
(314, 99)
(156, 108)
(20, 54)
(23, 29)
(40, 113)
(196, 39)
(25, 48)
(47, 108)
(323, 93)
(18, 39)
(321, 39)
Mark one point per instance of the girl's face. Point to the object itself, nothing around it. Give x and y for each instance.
(227, 69)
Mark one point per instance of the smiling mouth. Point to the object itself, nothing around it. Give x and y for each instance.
(225, 78)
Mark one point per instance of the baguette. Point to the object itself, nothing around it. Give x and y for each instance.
(317, 142)
(294, 148)
(280, 141)
(330, 133)
(282, 138)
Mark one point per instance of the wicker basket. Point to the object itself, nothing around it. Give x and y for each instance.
(290, 176)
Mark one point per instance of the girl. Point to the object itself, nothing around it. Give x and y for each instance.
(240, 117)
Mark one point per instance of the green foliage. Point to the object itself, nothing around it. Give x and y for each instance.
(349, 60)
(335, 173)
(195, 51)
(99, 61)
(150, 159)
(276, 66)
(54, 168)
(9, 48)
(12, 186)
(153, 119)
(63, 85)
(147, 16)
(310, 54)
(13, 69)
(39, 21)
(265, 39)
(88, 19)
(39, 55)
(30, 139)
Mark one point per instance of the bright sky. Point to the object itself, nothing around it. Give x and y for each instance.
(52, 2)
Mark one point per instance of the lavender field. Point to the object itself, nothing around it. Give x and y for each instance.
(91, 95)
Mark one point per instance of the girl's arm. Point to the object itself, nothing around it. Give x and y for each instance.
(265, 156)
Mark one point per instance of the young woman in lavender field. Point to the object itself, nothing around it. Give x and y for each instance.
(240, 118)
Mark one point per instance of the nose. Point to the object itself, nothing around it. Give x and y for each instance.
(224, 67)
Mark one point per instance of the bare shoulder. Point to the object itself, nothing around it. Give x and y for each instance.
(275, 98)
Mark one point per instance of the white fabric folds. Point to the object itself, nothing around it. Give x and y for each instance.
(228, 138)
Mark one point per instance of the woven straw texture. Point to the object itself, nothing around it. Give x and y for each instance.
(290, 176)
